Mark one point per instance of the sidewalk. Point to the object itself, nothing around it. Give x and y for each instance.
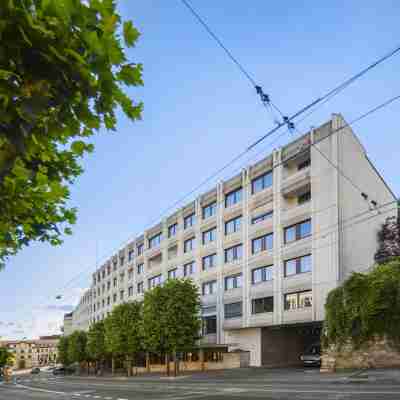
(376, 375)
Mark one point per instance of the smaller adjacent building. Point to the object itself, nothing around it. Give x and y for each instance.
(33, 353)
(67, 327)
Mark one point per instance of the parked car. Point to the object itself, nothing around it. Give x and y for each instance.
(35, 370)
(312, 356)
(63, 370)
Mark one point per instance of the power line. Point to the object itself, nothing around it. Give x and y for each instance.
(303, 151)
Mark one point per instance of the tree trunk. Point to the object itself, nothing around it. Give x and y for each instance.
(175, 364)
(147, 361)
(167, 363)
(112, 366)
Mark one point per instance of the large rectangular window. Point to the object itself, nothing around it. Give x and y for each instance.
(155, 240)
(233, 282)
(209, 210)
(140, 268)
(209, 236)
(173, 273)
(304, 164)
(155, 281)
(131, 254)
(209, 287)
(233, 197)
(297, 231)
(262, 274)
(262, 243)
(263, 305)
(262, 217)
(299, 300)
(140, 249)
(140, 288)
(209, 261)
(189, 269)
(209, 325)
(189, 221)
(298, 265)
(234, 253)
(188, 245)
(233, 310)
(130, 291)
(233, 225)
(172, 229)
(304, 198)
(261, 182)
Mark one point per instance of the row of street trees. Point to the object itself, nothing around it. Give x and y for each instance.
(165, 323)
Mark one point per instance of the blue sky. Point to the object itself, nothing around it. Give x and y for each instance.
(196, 102)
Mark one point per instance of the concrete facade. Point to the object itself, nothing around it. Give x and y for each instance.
(310, 224)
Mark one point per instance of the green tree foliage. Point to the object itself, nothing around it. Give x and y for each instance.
(389, 241)
(77, 347)
(364, 306)
(123, 331)
(96, 348)
(63, 352)
(63, 70)
(6, 357)
(171, 317)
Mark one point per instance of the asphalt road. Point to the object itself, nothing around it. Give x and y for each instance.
(240, 384)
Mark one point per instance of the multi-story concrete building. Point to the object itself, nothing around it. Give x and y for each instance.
(33, 353)
(67, 327)
(264, 247)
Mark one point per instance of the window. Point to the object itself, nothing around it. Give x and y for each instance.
(114, 297)
(263, 305)
(131, 253)
(115, 282)
(262, 274)
(103, 273)
(115, 265)
(304, 164)
(188, 245)
(233, 282)
(108, 269)
(140, 288)
(298, 231)
(140, 249)
(262, 243)
(298, 265)
(209, 261)
(295, 301)
(108, 300)
(189, 268)
(130, 291)
(121, 276)
(172, 229)
(121, 295)
(121, 261)
(130, 274)
(209, 288)
(209, 236)
(233, 253)
(108, 285)
(173, 273)
(189, 221)
(155, 240)
(262, 182)
(140, 268)
(103, 303)
(209, 210)
(209, 325)
(233, 310)
(304, 198)
(262, 217)
(233, 225)
(172, 252)
(103, 288)
(155, 281)
(233, 197)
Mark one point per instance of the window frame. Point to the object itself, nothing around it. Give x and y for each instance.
(190, 240)
(191, 218)
(264, 242)
(236, 278)
(265, 184)
(262, 217)
(209, 210)
(298, 270)
(191, 266)
(173, 271)
(237, 223)
(155, 240)
(172, 230)
(236, 195)
(212, 256)
(212, 284)
(212, 233)
(233, 315)
(297, 230)
(236, 256)
(304, 198)
(297, 294)
(264, 274)
(264, 311)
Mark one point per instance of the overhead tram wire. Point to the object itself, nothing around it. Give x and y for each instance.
(362, 116)
(286, 120)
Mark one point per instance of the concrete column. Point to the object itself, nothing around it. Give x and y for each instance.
(220, 262)
(246, 275)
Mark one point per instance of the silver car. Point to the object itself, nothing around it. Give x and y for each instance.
(312, 356)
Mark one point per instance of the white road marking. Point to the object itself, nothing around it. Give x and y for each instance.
(40, 390)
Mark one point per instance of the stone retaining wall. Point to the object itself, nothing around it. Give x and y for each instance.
(377, 353)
